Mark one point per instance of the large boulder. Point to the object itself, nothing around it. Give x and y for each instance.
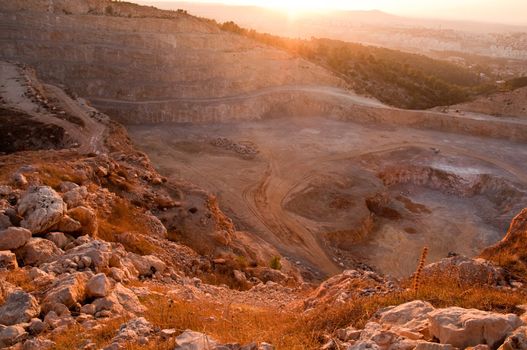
(38, 251)
(8, 260)
(14, 237)
(41, 208)
(68, 290)
(470, 327)
(19, 307)
(409, 319)
(468, 271)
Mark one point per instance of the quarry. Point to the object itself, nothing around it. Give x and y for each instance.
(166, 184)
(334, 193)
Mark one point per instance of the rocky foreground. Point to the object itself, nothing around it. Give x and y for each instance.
(98, 251)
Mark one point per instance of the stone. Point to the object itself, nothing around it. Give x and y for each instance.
(128, 299)
(424, 345)
(68, 224)
(190, 340)
(118, 274)
(67, 186)
(41, 208)
(364, 345)
(5, 221)
(108, 303)
(38, 251)
(14, 237)
(59, 238)
(347, 334)
(39, 344)
(20, 180)
(75, 197)
(8, 260)
(239, 276)
(98, 286)
(56, 322)
(14, 218)
(11, 335)
(167, 333)
(469, 327)
(147, 265)
(408, 319)
(68, 290)
(89, 309)
(468, 271)
(35, 273)
(516, 341)
(94, 254)
(36, 326)
(87, 218)
(19, 307)
(134, 331)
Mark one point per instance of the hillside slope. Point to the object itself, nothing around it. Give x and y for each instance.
(121, 51)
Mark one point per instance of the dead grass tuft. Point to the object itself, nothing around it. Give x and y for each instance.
(75, 337)
(124, 225)
(19, 278)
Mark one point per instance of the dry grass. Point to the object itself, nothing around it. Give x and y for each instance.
(19, 278)
(440, 291)
(232, 323)
(124, 225)
(75, 336)
(289, 328)
(54, 174)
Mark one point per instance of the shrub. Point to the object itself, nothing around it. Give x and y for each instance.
(275, 263)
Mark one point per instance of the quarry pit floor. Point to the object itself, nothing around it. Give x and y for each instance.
(329, 194)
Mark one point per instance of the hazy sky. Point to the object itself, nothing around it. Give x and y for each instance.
(497, 11)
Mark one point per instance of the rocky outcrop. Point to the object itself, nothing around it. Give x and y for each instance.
(462, 328)
(350, 283)
(417, 325)
(42, 208)
(468, 271)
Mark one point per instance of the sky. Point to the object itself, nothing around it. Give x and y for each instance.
(495, 11)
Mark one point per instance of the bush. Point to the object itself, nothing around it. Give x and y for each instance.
(275, 263)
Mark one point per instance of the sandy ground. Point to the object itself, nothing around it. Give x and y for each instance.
(305, 191)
